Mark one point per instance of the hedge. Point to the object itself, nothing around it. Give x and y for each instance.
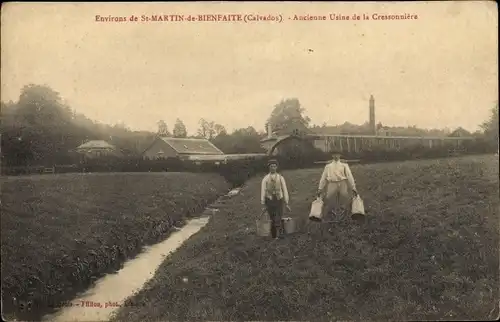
(237, 172)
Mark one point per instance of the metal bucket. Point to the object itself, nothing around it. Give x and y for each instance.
(263, 226)
(357, 206)
(289, 225)
(316, 212)
(358, 209)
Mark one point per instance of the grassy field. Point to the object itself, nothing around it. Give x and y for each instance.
(61, 232)
(429, 250)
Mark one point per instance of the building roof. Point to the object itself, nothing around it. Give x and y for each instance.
(274, 137)
(191, 146)
(96, 144)
(320, 136)
(278, 138)
(226, 157)
(459, 132)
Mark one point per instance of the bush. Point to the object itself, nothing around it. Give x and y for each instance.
(293, 155)
(112, 164)
(237, 172)
(479, 145)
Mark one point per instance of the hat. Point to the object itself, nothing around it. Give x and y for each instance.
(272, 161)
(335, 151)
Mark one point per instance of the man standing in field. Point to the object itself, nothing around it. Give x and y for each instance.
(274, 197)
(334, 186)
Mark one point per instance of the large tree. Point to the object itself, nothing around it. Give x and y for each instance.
(40, 128)
(210, 129)
(286, 112)
(180, 130)
(490, 128)
(203, 129)
(219, 129)
(43, 122)
(163, 128)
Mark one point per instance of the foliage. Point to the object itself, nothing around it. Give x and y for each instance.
(287, 111)
(490, 128)
(427, 251)
(296, 153)
(238, 172)
(163, 128)
(180, 130)
(73, 233)
(210, 129)
(34, 129)
(40, 129)
(240, 141)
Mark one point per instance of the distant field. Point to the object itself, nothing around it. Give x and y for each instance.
(430, 250)
(61, 232)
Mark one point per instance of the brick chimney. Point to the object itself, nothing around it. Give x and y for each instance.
(269, 130)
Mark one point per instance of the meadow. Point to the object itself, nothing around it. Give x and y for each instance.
(428, 250)
(61, 232)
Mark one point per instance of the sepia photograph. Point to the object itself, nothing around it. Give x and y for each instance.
(249, 161)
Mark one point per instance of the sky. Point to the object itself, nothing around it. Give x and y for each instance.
(437, 71)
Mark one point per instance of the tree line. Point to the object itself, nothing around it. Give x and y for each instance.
(41, 129)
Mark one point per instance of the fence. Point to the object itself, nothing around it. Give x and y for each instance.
(25, 170)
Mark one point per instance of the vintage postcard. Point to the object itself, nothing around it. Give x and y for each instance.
(249, 161)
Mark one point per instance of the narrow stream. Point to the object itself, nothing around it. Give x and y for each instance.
(104, 298)
(101, 301)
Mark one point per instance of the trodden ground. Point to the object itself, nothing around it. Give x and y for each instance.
(429, 250)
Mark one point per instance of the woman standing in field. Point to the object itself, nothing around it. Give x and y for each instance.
(274, 197)
(334, 185)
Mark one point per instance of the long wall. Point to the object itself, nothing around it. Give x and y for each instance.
(357, 143)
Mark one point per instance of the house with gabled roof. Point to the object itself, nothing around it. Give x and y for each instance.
(294, 128)
(97, 148)
(168, 147)
(460, 132)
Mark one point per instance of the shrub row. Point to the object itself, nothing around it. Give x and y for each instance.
(237, 172)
